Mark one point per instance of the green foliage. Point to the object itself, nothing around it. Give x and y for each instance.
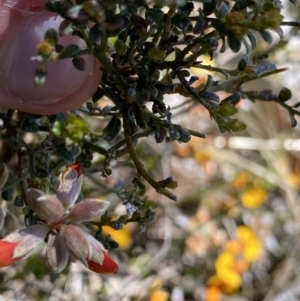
(146, 51)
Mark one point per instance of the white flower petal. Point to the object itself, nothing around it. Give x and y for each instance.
(29, 239)
(48, 207)
(97, 250)
(56, 253)
(69, 188)
(88, 210)
(76, 242)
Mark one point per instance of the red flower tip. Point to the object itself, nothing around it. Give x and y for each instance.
(108, 266)
(77, 167)
(7, 252)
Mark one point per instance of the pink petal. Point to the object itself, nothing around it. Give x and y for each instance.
(76, 242)
(66, 87)
(26, 240)
(108, 266)
(69, 187)
(56, 253)
(47, 207)
(88, 210)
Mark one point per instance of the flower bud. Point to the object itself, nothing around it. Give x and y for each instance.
(70, 185)
(99, 261)
(108, 266)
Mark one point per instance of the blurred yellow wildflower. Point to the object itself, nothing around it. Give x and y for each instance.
(159, 295)
(293, 180)
(251, 244)
(122, 237)
(213, 294)
(229, 269)
(215, 282)
(254, 197)
(241, 180)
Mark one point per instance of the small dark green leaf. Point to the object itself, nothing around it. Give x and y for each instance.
(155, 15)
(156, 54)
(18, 202)
(247, 46)
(184, 73)
(223, 48)
(69, 51)
(56, 7)
(65, 154)
(41, 172)
(51, 36)
(225, 109)
(7, 194)
(234, 98)
(252, 39)
(209, 82)
(293, 121)
(120, 47)
(208, 95)
(182, 22)
(233, 42)
(113, 128)
(79, 63)
(160, 134)
(174, 134)
(266, 35)
(285, 94)
(95, 33)
(200, 26)
(185, 137)
(142, 227)
(123, 194)
(169, 183)
(243, 62)
(223, 10)
(209, 7)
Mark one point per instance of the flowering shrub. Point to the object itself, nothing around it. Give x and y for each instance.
(104, 90)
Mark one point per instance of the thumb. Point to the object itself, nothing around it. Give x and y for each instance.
(23, 24)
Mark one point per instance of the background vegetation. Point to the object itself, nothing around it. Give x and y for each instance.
(190, 218)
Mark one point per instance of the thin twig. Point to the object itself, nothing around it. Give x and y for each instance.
(138, 164)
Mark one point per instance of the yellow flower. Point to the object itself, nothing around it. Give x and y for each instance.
(215, 282)
(213, 294)
(122, 237)
(228, 270)
(252, 246)
(241, 180)
(159, 295)
(254, 197)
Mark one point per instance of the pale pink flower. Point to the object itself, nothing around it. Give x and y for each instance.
(58, 228)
